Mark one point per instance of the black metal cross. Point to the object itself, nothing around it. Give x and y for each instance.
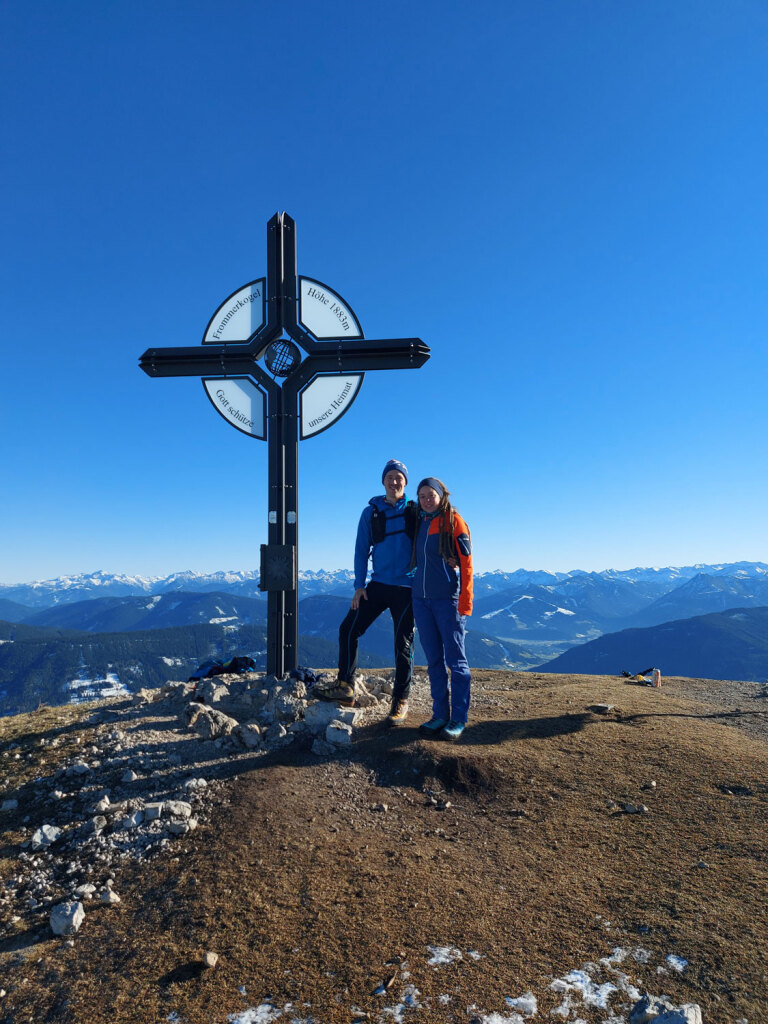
(279, 557)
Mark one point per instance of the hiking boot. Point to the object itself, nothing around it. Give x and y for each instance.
(434, 726)
(340, 692)
(453, 731)
(399, 712)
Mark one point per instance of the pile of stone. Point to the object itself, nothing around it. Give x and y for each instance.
(262, 713)
(147, 773)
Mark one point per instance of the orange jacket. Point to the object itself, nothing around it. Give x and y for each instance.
(434, 578)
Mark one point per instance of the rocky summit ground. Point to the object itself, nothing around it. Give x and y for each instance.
(589, 840)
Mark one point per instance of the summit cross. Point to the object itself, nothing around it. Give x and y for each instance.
(280, 366)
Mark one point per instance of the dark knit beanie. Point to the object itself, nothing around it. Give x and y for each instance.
(394, 464)
(434, 483)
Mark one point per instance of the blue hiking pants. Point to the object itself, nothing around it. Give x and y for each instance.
(441, 631)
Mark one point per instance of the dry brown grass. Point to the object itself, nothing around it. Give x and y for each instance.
(311, 895)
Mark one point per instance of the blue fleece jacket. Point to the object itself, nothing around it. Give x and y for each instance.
(392, 556)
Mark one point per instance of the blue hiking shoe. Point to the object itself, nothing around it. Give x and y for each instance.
(453, 731)
(434, 726)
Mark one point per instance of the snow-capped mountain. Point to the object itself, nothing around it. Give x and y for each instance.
(732, 644)
(160, 611)
(87, 586)
(524, 605)
(701, 595)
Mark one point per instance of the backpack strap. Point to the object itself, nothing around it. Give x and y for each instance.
(380, 522)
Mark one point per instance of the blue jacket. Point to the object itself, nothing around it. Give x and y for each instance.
(392, 556)
(434, 578)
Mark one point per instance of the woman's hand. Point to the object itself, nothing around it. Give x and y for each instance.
(359, 595)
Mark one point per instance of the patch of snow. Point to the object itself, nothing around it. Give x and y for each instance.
(618, 956)
(498, 1018)
(677, 963)
(527, 1004)
(442, 955)
(500, 611)
(222, 619)
(264, 1013)
(82, 688)
(591, 994)
(409, 1000)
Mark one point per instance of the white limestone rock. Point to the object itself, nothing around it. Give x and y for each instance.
(319, 714)
(145, 696)
(66, 918)
(339, 734)
(211, 723)
(44, 836)
(177, 809)
(212, 692)
(249, 734)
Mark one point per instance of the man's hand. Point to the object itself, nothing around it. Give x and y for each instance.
(359, 595)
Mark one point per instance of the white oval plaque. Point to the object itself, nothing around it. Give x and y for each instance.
(325, 399)
(238, 317)
(241, 402)
(323, 311)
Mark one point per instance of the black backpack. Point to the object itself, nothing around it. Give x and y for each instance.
(379, 522)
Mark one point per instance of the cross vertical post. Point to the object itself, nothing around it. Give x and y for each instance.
(282, 458)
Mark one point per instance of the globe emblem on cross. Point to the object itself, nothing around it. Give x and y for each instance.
(282, 357)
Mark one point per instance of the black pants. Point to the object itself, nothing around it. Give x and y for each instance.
(380, 597)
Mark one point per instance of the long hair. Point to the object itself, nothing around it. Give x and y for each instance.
(445, 527)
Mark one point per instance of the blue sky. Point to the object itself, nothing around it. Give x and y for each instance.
(566, 200)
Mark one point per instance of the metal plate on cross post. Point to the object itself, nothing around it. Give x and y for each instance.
(239, 316)
(241, 402)
(323, 311)
(328, 396)
(278, 567)
(325, 399)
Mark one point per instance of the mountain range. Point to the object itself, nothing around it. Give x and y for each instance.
(245, 582)
(522, 619)
(724, 645)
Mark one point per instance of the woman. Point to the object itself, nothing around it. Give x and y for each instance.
(442, 596)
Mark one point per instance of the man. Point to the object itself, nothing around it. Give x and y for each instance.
(381, 531)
